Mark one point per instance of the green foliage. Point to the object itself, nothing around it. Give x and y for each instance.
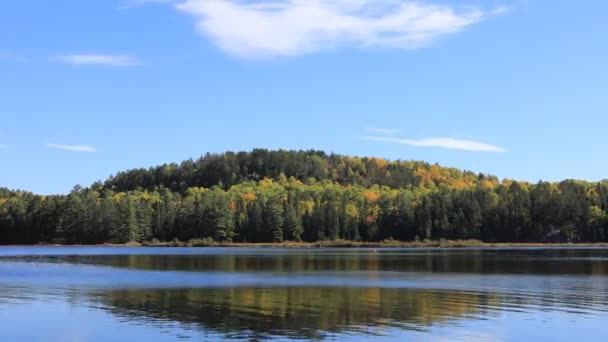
(272, 196)
(231, 168)
(292, 224)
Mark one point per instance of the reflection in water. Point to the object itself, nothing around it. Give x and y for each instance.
(318, 294)
(300, 312)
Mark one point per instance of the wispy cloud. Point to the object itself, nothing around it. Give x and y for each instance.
(267, 28)
(3, 146)
(449, 143)
(99, 59)
(383, 131)
(74, 148)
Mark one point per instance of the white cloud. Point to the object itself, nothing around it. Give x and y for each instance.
(99, 59)
(266, 28)
(3, 146)
(383, 131)
(74, 148)
(449, 143)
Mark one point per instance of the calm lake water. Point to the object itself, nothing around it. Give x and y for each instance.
(200, 294)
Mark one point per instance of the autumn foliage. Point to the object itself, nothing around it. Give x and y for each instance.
(271, 196)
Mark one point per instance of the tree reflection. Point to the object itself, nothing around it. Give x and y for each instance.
(308, 312)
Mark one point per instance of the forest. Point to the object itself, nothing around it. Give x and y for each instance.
(280, 195)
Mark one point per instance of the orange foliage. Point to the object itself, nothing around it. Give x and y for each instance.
(488, 184)
(249, 196)
(382, 163)
(423, 174)
(435, 172)
(460, 184)
(368, 220)
(371, 196)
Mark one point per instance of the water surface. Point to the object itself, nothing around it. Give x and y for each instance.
(168, 294)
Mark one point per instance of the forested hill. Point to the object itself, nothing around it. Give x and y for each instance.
(272, 196)
(5, 193)
(231, 168)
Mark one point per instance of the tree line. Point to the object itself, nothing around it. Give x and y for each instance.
(274, 196)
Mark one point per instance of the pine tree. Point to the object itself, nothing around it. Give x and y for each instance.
(273, 219)
(292, 224)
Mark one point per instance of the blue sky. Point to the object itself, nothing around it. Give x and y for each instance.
(512, 88)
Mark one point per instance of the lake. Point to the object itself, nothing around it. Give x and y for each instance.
(77, 294)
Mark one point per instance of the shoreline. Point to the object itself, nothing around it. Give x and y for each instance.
(339, 244)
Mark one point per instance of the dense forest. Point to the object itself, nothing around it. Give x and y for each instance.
(274, 196)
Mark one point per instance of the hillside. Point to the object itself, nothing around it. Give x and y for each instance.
(272, 196)
(231, 168)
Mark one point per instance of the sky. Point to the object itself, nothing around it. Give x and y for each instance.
(513, 88)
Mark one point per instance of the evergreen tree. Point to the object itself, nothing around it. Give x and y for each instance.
(292, 224)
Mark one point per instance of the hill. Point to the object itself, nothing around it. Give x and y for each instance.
(272, 196)
(231, 168)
